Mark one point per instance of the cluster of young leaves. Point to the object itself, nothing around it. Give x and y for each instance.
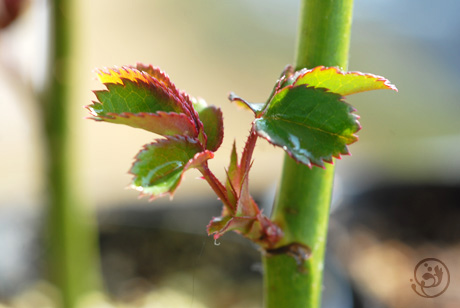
(144, 97)
(305, 115)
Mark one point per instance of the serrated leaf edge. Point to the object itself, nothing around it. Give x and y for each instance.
(387, 84)
(116, 75)
(112, 116)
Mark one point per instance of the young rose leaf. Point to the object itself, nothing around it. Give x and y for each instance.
(310, 124)
(132, 94)
(144, 97)
(159, 167)
(213, 125)
(337, 81)
(129, 90)
(213, 122)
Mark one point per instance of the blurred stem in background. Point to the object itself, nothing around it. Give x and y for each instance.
(303, 201)
(72, 262)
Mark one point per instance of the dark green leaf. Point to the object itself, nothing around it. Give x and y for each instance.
(310, 124)
(159, 167)
(134, 97)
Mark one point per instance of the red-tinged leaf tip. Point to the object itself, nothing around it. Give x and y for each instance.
(158, 74)
(163, 78)
(287, 72)
(340, 82)
(187, 104)
(285, 78)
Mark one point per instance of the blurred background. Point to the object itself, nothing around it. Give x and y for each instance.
(396, 199)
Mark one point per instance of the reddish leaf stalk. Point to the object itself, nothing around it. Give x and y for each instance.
(215, 184)
(246, 158)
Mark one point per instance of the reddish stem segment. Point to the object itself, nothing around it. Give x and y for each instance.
(215, 184)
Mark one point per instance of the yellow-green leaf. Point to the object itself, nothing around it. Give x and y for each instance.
(340, 82)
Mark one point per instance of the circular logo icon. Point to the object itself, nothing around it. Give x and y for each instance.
(431, 278)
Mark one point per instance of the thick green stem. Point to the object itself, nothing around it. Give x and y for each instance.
(324, 33)
(71, 238)
(302, 206)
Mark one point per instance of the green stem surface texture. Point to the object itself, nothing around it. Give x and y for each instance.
(70, 232)
(302, 205)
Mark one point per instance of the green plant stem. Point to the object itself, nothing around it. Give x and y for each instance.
(71, 239)
(302, 205)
